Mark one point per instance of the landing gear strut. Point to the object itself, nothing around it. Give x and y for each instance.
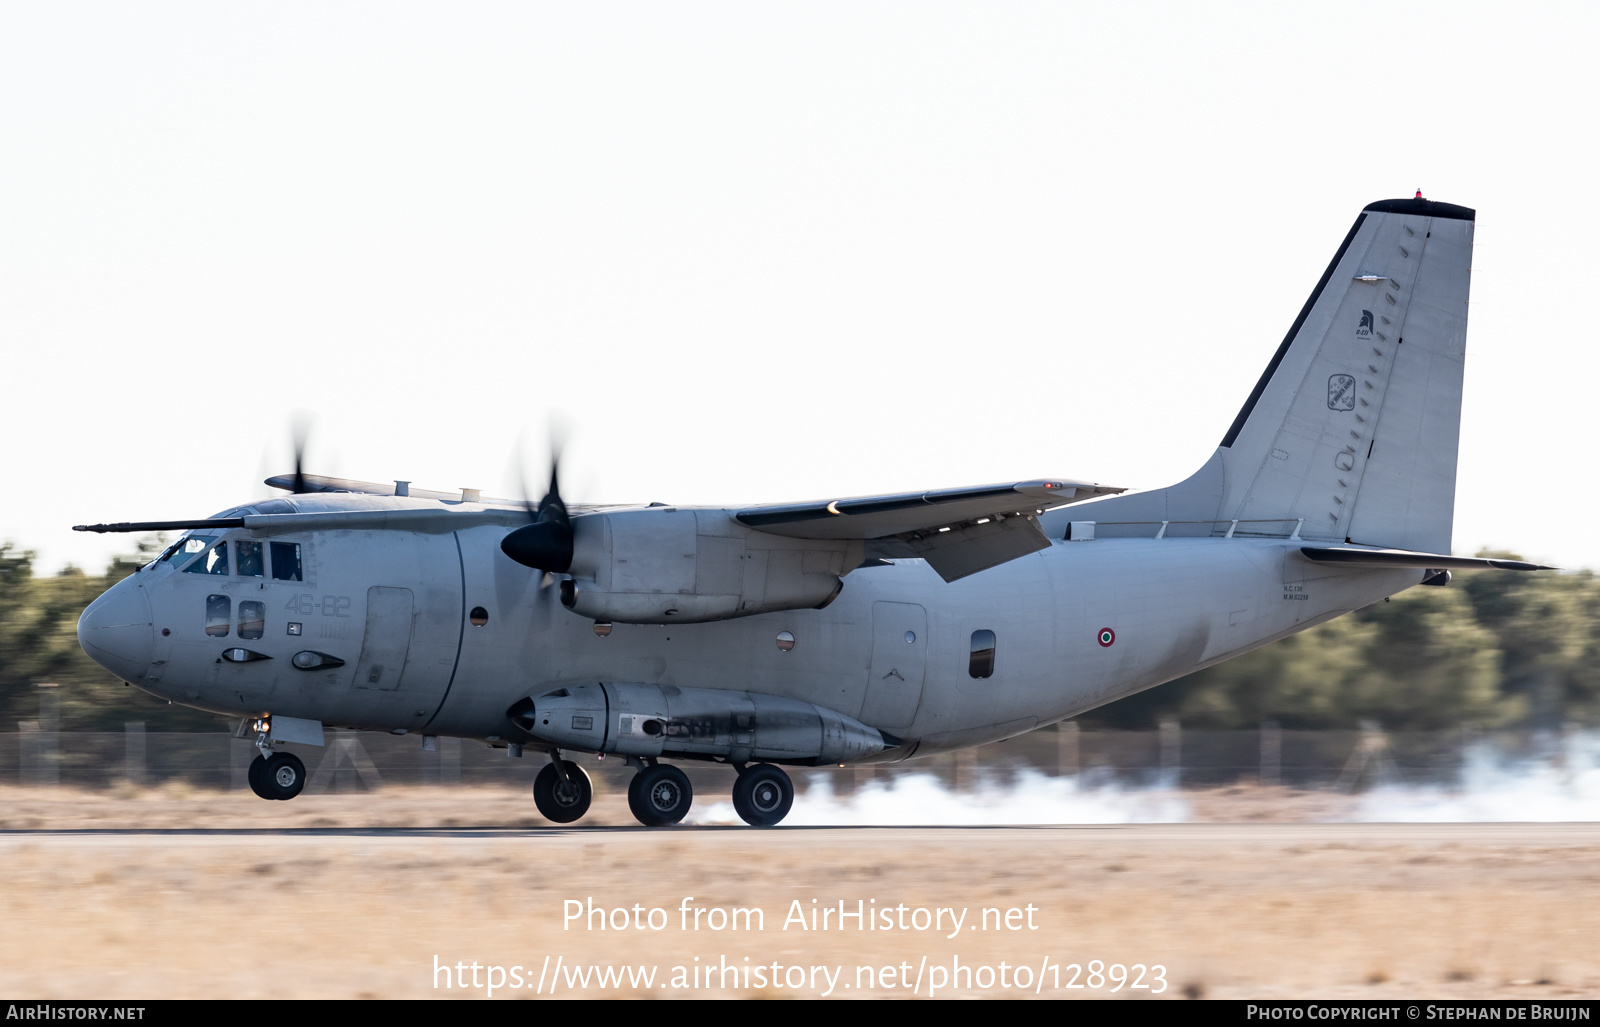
(660, 795)
(273, 774)
(562, 790)
(762, 795)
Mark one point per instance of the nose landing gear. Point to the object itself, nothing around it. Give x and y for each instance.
(762, 795)
(273, 774)
(278, 776)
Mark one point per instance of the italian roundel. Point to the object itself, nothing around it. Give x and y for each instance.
(1106, 636)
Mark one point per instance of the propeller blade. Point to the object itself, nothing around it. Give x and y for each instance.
(551, 504)
(299, 435)
(522, 488)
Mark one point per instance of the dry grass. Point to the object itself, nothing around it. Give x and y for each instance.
(1247, 910)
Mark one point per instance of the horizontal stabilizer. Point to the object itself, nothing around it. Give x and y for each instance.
(1407, 558)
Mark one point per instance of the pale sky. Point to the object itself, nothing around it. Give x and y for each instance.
(755, 252)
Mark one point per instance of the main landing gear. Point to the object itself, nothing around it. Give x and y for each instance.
(562, 791)
(762, 795)
(660, 794)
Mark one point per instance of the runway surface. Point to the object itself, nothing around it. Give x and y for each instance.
(1582, 834)
(1228, 910)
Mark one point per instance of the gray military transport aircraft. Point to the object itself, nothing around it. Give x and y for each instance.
(841, 631)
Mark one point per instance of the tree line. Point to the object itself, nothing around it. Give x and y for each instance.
(1492, 649)
(39, 646)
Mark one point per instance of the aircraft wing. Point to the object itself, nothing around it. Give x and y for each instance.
(438, 520)
(958, 531)
(323, 483)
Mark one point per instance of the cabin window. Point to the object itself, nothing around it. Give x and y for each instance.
(213, 561)
(249, 557)
(479, 616)
(980, 664)
(252, 619)
(219, 611)
(286, 561)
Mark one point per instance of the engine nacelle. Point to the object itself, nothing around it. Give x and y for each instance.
(660, 565)
(663, 720)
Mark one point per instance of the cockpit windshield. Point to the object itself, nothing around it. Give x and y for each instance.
(186, 547)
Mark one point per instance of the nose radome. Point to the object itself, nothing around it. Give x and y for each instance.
(117, 632)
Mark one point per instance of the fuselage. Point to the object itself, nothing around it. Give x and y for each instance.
(439, 633)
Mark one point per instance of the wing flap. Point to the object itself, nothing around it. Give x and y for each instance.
(960, 551)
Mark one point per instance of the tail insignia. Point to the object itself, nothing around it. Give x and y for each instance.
(1342, 392)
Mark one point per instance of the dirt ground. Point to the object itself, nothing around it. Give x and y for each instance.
(171, 893)
(176, 806)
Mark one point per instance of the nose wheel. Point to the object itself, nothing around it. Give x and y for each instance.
(660, 795)
(762, 795)
(563, 792)
(279, 776)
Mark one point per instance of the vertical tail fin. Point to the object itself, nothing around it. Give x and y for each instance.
(1353, 428)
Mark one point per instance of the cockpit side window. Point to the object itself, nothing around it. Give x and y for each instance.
(250, 562)
(184, 548)
(214, 561)
(286, 561)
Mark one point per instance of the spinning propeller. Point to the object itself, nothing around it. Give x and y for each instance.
(545, 544)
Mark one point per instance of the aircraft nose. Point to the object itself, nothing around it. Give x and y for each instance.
(117, 632)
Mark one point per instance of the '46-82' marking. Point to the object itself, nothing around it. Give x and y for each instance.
(331, 606)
